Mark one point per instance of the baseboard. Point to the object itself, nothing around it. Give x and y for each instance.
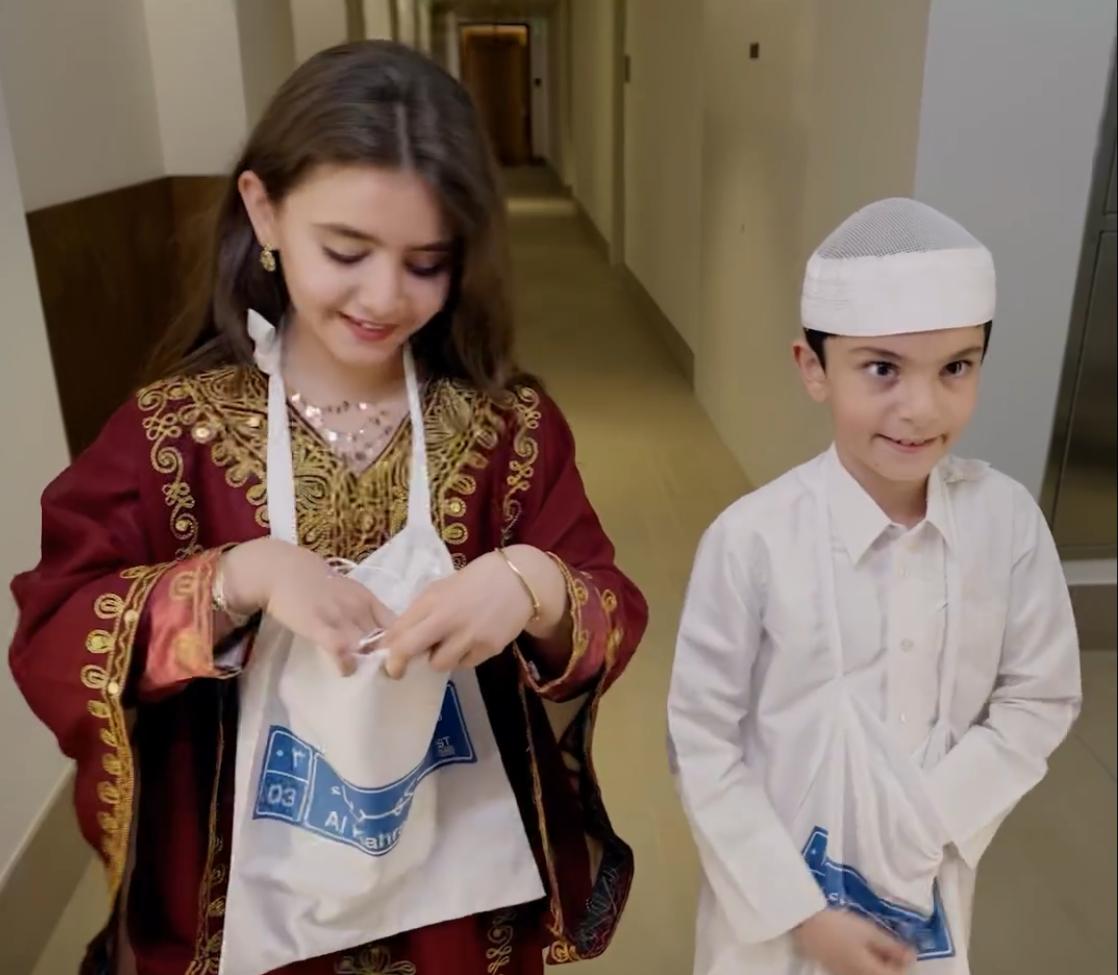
(1091, 572)
(1096, 616)
(41, 881)
(601, 245)
(677, 346)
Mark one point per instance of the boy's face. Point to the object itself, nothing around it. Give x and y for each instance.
(898, 402)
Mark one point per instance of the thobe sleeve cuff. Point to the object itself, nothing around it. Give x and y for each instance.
(772, 891)
(957, 788)
(793, 897)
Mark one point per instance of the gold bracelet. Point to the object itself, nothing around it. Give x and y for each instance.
(524, 582)
(217, 597)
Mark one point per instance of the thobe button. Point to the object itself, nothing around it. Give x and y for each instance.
(907, 645)
(904, 718)
(113, 688)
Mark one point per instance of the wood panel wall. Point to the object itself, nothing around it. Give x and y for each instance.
(113, 270)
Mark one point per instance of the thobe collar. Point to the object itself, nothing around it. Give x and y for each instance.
(858, 520)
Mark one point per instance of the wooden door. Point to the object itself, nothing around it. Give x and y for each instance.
(495, 69)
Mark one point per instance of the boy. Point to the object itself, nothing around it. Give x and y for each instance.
(877, 653)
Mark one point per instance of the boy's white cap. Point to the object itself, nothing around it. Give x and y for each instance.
(895, 267)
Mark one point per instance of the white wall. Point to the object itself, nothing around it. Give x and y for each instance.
(26, 390)
(1014, 91)
(423, 25)
(561, 68)
(378, 20)
(406, 21)
(663, 155)
(135, 89)
(318, 24)
(821, 123)
(267, 47)
(199, 87)
(81, 100)
(866, 77)
(592, 40)
(452, 54)
(539, 53)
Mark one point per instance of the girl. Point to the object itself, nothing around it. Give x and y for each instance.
(362, 237)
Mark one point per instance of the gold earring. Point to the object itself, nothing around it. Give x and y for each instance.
(268, 259)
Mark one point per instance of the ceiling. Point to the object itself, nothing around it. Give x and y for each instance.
(496, 9)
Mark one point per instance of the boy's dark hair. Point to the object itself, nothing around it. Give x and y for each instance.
(817, 342)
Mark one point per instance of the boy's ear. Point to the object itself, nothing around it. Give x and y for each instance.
(812, 371)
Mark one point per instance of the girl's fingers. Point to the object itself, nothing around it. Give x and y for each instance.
(452, 652)
(405, 644)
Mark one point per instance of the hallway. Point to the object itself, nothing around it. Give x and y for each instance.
(658, 475)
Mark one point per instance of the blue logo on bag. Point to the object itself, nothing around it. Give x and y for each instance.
(298, 786)
(844, 886)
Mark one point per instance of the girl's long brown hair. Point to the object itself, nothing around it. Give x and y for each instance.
(369, 103)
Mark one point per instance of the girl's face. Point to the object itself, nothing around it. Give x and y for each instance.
(365, 253)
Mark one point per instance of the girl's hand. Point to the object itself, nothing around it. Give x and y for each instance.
(473, 615)
(301, 591)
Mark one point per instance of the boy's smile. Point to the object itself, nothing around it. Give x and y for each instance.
(898, 403)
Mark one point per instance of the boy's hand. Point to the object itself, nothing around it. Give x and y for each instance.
(845, 944)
